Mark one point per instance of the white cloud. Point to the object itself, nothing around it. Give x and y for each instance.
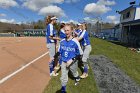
(99, 8)
(52, 10)
(73, 21)
(36, 5)
(86, 19)
(8, 3)
(44, 7)
(63, 22)
(116, 22)
(19, 23)
(3, 15)
(112, 19)
(8, 21)
(95, 9)
(12, 21)
(106, 2)
(90, 20)
(71, 1)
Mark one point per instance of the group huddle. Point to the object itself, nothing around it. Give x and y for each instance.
(73, 48)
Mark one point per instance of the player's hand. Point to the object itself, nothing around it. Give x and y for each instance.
(77, 38)
(58, 38)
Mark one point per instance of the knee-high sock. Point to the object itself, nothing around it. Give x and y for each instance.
(51, 66)
(63, 89)
(85, 68)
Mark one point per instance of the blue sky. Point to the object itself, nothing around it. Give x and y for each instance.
(75, 10)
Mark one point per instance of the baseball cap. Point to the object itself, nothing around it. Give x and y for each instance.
(79, 24)
(54, 18)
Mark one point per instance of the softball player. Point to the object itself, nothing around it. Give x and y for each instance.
(85, 42)
(78, 30)
(69, 50)
(62, 35)
(51, 40)
(62, 32)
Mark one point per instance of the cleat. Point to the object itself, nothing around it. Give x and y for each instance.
(76, 83)
(77, 79)
(54, 74)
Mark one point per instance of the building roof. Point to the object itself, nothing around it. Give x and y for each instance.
(132, 6)
(134, 22)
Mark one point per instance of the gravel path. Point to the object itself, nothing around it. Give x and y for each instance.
(109, 78)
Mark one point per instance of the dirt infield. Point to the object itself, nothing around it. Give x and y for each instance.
(16, 53)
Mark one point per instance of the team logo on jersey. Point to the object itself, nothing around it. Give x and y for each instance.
(68, 48)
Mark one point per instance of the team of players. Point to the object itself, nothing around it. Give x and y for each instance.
(74, 47)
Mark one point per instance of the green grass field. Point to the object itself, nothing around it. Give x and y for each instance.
(127, 60)
(85, 86)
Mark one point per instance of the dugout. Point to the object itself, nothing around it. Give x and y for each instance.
(131, 33)
(130, 25)
(34, 32)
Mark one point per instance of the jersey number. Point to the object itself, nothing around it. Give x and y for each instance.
(66, 54)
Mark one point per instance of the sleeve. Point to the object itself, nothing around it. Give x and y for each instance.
(59, 48)
(82, 35)
(60, 44)
(51, 30)
(46, 30)
(78, 47)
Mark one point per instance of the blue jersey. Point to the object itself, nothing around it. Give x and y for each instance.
(78, 31)
(85, 38)
(50, 32)
(62, 34)
(69, 49)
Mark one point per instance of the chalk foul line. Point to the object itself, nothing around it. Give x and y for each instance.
(22, 68)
